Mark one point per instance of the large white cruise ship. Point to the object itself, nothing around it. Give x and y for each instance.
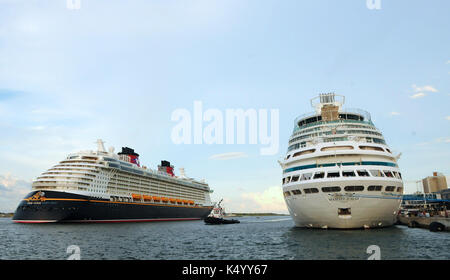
(101, 186)
(339, 171)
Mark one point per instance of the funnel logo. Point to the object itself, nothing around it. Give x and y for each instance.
(134, 159)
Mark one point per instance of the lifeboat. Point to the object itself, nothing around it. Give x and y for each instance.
(185, 201)
(179, 201)
(156, 198)
(172, 200)
(191, 202)
(165, 199)
(136, 196)
(147, 197)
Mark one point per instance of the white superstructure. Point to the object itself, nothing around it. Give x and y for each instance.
(338, 171)
(119, 177)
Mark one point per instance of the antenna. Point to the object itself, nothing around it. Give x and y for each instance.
(100, 146)
(327, 99)
(182, 172)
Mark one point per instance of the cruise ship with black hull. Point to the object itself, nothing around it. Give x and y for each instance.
(99, 186)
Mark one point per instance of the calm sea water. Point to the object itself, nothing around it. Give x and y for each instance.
(270, 237)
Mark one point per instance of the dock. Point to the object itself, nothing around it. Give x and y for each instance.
(424, 222)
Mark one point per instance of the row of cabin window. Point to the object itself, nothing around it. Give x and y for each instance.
(347, 189)
(336, 139)
(322, 133)
(347, 173)
(304, 131)
(373, 148)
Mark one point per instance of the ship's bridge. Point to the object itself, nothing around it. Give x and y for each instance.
(349, 115)
(331, 123)
(329, 109)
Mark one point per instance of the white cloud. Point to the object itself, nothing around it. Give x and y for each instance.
(7, 180)
(269, 200)
(38, 127)
(447, 118)
(227, 156)
(424, 88)
(423, 144)
(417, 95)
(443, 140)
(395, 113)
(433, 142)
(12, 191)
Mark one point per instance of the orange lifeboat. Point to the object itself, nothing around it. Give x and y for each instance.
(173, 200)
(147, 197)
(191, 202)
(156, 198)
(136, 196)
(179, 201)
(165, 199)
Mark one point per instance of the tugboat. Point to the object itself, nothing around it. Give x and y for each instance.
(216, 216)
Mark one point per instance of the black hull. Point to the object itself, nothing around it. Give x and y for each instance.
(67, 207)
(219, 221)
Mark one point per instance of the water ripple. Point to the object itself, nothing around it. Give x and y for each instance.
(254, 238)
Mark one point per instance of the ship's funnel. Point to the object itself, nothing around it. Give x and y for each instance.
(166, 167)
(128, 154)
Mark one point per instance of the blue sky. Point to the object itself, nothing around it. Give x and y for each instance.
(117, 70)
